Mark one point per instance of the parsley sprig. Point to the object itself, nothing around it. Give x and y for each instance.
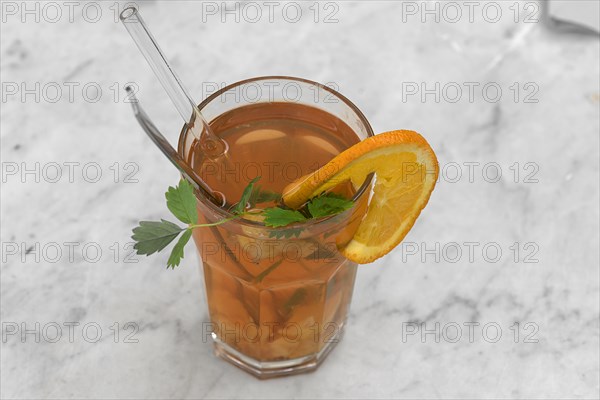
(153, 236)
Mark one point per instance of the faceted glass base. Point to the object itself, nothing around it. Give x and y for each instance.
(272, 369)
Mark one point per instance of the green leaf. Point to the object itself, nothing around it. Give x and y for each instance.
(153, 236)
(263, 196)
(275, 217)
(267, 271)
(177, 252)
(296, 299)
(182, 202)
(286, 233)
(323, 252)
(240, 207)
(328, 204)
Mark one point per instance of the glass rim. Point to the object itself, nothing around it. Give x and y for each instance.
(258, 224)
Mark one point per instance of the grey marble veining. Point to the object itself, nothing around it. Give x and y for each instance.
(544, 304)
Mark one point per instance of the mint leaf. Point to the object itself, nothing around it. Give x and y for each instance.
(286, 233)
(181, 201)
(323, 252)
(153, 236)
(322, 206)
(177, 252)
(328, 204)
(267, 271)
(275, 217)
(240, 207)
(297, 298)
(263, 196)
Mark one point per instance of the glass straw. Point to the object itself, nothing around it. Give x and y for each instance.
(163, 144)
(212, 145)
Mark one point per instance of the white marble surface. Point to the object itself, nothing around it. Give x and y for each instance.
(369, 53)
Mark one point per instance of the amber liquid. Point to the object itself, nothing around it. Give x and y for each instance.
(281, 294)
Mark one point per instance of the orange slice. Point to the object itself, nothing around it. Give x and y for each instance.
(406, 170)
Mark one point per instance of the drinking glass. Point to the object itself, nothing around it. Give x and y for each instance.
(278, 298)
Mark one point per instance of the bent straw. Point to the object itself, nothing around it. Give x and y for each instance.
(163, 144)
